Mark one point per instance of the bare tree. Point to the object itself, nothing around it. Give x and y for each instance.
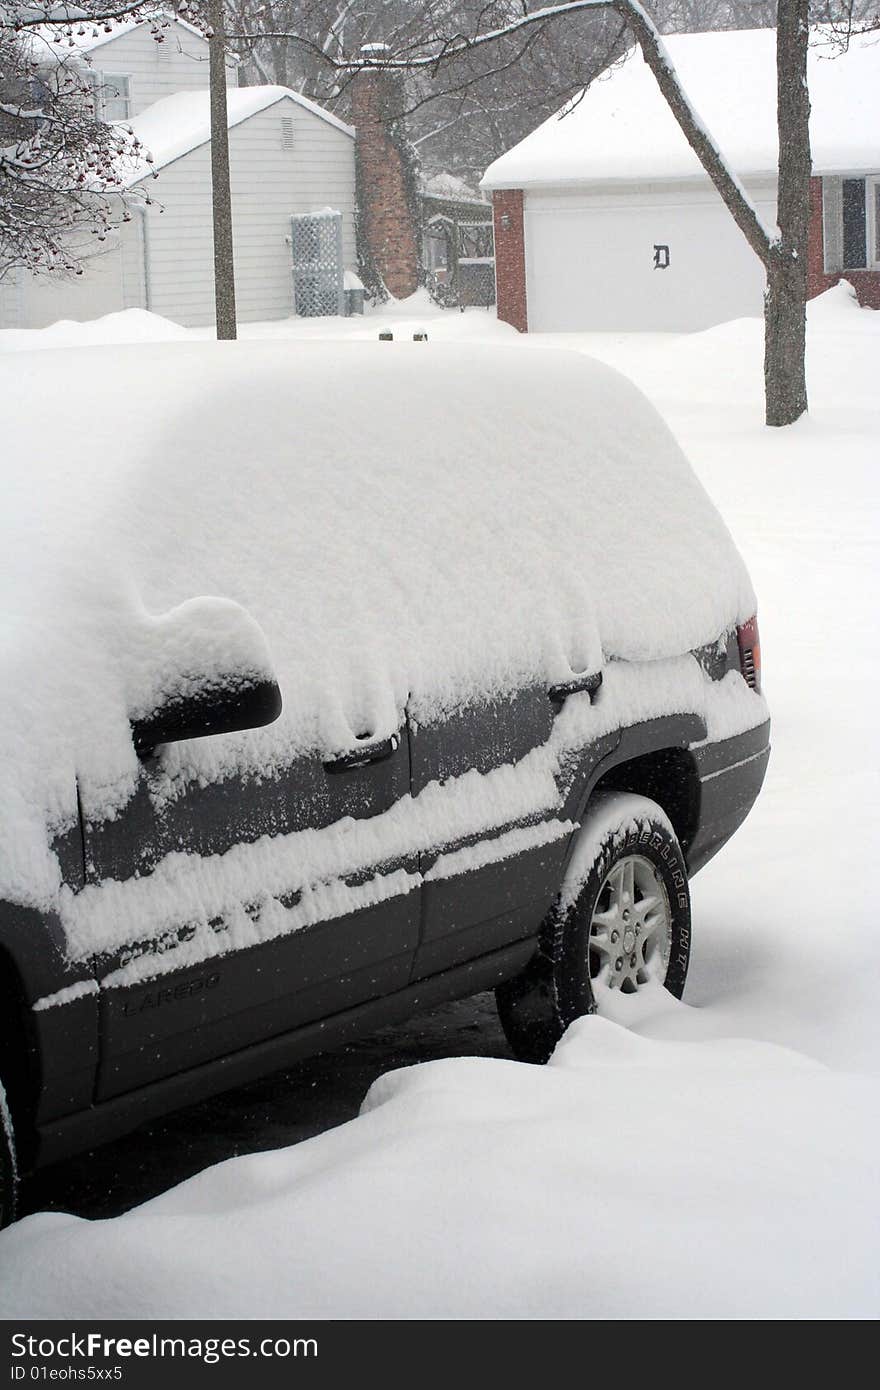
(471, 62)
(486, 101)
(784, 257)
(62, 169)
(71, 188)
(334, 28)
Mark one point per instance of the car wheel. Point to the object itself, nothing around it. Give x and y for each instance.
(621, 923)
(8, 1166)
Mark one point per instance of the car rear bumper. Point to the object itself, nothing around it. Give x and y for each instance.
(731, 771)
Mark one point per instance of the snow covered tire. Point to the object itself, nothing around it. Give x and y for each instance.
(622, 919)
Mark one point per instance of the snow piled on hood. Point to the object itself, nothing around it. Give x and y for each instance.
(402, 521)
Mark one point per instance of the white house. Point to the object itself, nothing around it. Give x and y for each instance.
(604, 218)
(287, 156)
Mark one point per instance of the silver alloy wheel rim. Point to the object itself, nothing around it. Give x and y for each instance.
(631, 927)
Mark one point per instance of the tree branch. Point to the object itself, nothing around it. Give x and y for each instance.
(656, 56)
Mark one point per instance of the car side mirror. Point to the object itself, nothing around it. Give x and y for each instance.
(204, 669)
(218, 707)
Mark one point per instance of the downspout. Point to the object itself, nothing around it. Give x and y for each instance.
(145, 248)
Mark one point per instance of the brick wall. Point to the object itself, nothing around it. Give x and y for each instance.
(510, 257)
(387, 224)
(865, 282)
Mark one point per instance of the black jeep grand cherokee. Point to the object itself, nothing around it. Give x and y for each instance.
(479, 694)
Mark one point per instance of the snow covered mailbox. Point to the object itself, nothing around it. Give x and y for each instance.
(520, 676)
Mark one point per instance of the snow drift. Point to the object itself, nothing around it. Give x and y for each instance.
(628, 1178)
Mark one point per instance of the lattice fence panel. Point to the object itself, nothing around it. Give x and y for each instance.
(316, 246)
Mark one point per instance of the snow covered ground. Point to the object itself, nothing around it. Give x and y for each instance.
(712, 1158)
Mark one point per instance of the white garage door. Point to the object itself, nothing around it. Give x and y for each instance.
(661, 261)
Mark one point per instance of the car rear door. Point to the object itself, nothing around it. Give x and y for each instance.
(495, 844)
(263, 911)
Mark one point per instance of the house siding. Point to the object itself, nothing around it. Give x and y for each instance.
(175, 233)
(134, 280)
(179, 64)
(12, 307)
(28, 301)
(268, 185)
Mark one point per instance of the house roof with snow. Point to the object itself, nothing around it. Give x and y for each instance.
(174, 126)
(449, 188)
(622, 129)
(79, 38)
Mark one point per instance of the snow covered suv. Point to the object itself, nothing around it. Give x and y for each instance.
(475, 690)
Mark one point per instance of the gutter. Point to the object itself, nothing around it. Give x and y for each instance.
(145, 246)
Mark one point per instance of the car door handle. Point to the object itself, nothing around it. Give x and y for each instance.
(591, 682)
(360, 757)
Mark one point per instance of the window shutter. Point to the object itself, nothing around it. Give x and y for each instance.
(287, 132)
(832, 223)
(855, 240)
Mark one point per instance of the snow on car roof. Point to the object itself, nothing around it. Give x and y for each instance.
(621, 129)
(404, 523)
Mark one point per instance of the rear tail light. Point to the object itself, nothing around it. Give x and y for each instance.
(750, 653)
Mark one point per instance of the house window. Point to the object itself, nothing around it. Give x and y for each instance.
(115, 90)
(855, 246)
(39, 88)
(287, 132)
(851, 223)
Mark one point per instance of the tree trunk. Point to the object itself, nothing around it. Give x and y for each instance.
(785, 319)
(221, 196)
(785, 303)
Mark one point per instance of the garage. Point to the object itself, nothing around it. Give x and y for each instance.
(646, 260)
(606, 221)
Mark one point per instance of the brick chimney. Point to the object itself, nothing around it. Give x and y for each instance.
(388, 214)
